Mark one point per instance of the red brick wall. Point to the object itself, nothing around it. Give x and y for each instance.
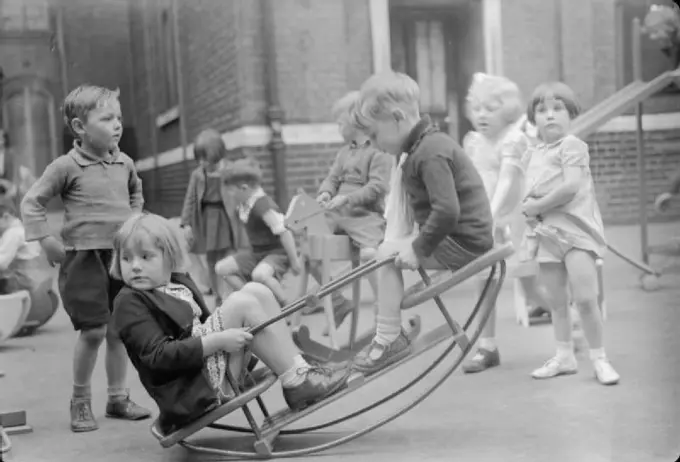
(614, 165)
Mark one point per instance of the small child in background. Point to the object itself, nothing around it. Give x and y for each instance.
(100, 189)
(353, 194)
(567, 233)
(273, 248)
(209, 216)
(497, 147)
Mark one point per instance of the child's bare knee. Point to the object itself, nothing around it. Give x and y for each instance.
(237, 305)
(261, 274)
(257, 289)
(226, 267)
(93, 336)
(367, 253)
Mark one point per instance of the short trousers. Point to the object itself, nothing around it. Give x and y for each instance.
(87, 290)
(247, 260)
(365, 231)
(449, 254)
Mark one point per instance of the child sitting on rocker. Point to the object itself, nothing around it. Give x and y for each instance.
(440, 188)
(273, 246)
(179, 349)
(353, 194)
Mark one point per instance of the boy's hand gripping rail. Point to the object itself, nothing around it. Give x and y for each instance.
(327, 289)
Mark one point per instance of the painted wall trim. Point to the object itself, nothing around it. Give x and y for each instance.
(257, 136)
(493, 41)
(379, 17)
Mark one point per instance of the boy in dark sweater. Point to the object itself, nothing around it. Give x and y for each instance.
(439, 188)
(273, 246)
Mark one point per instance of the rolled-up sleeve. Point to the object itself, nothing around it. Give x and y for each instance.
(144, 338)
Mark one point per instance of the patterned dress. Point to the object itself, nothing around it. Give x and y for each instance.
(576, 224)
(215, 364)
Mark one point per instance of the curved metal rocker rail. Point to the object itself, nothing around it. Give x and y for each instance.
(416, 295)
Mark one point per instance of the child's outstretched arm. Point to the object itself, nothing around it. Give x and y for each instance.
(33, 206)
(332, 182)
(10, 243)
(135, 188)
(437, 176)
(509, 188)
(276, 223)
(574, 160)
(378, 181)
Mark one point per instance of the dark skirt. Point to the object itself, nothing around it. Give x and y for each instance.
(216, 227)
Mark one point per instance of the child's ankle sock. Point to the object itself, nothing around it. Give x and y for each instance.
(597, 353)
(488, 344)
(295, 375)
(82, 392)
(565, 350)
(387, 329)
(117, 393)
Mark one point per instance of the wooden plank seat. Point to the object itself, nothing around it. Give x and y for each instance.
(444, 280)
(263, 380)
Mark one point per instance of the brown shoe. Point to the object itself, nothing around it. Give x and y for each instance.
(126, 409)
(482, 360)
(82, 419)
(319, 383)
(377, 356)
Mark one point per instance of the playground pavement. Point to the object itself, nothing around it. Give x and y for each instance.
(499, 415)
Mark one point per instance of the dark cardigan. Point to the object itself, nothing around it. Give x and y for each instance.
(446, 192)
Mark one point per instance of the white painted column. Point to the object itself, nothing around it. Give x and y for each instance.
(493, 42)
(379, 16)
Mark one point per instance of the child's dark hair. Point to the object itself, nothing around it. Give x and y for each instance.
(242, 171)
(84, 99)
(553, 90)
(209, 146)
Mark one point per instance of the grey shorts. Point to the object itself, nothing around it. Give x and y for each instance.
(365, 231)
(247, 261)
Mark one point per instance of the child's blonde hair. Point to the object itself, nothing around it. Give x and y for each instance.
(381, 95)
(209, 146)
(554, 90)
(84, 99)
(485, 87)
(163, 234)
(344, 107)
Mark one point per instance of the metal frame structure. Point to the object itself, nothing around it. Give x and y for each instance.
(274, 424)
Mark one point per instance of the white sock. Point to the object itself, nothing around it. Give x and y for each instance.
(387, 329)
(565, 350)
(597, 353)
(488, 344)
(296, 375)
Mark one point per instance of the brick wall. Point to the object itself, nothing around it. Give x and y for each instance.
(97, 46)
(614, 164)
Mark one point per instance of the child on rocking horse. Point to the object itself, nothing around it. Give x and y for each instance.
(353, 195)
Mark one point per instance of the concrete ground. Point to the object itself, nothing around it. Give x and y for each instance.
(499, 415)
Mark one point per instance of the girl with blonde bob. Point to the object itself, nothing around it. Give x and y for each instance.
(180, 350)
(497, 148)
